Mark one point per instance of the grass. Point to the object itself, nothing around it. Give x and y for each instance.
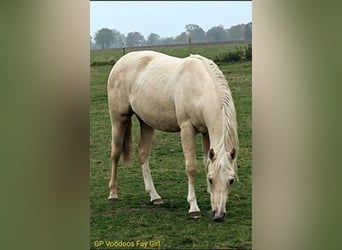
(133, 218)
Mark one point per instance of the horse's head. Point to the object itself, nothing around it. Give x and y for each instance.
(220, 168)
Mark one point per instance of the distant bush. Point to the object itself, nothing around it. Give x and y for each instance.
(98, 63)
(233, 55)
(236, 54)
(111, 61)
(248, 52)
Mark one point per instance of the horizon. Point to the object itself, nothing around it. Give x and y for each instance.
(167, 19)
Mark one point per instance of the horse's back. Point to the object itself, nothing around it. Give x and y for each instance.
(148, 66)
(162, 90)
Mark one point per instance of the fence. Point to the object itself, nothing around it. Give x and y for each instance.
(178, 45)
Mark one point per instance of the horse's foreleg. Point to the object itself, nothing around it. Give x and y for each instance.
(205, 148)
(144, 148)
(188, 134)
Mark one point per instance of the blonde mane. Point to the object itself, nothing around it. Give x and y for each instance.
(230, 139)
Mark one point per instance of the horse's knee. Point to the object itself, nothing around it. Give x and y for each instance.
(115, 153)
(191, 170)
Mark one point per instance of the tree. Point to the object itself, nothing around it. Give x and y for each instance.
(134, 39)
(237, 32)
(167, 41)
(216, 34)
(118, 38)
(182, 38)
(91, 42)
(248, 32)
(196, 33)
(104, 37)
(190, 27)
(153, 39)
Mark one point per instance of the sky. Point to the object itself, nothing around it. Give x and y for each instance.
(166, 18)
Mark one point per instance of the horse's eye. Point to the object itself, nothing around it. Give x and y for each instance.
(210, 180)
(231, 182)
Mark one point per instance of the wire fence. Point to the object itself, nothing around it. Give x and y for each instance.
(190, 44)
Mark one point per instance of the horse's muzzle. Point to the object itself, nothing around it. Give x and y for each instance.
(217, 217)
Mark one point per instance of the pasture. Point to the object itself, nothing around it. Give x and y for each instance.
(133, 218)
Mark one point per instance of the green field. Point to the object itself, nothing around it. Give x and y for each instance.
(133, 218)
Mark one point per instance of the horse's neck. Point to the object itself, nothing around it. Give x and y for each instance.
(216, 132)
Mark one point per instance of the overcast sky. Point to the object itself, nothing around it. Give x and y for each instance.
(166, 18)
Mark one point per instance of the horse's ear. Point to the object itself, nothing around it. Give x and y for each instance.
(212, 154)
(233, 154)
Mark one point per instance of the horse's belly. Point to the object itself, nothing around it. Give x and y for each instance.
(159, 114)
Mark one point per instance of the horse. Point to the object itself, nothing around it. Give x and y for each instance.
(186, 95)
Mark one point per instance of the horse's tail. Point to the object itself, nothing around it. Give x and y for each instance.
(127, 144)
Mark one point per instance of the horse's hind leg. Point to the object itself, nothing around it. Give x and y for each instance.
(119, 127)
(144, 148)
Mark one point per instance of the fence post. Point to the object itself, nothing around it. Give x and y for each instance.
(190, 44)
(123, 48)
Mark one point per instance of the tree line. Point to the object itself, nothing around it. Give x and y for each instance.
(110, 38)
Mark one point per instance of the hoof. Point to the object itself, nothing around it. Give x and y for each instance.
(157, 202)
(216, 217)
(219, 219)
(112, 200)
(195, 215)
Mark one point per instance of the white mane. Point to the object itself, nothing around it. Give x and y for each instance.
(230, 139)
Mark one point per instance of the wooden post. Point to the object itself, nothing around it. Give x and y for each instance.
(123, 48)
(190, 44)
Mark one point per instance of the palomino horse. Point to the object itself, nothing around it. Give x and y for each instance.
(170, 94)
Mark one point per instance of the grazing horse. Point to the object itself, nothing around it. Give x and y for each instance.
(190, 96)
